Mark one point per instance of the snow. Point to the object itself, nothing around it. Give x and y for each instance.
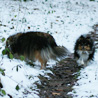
(65, 20)
(86, 86)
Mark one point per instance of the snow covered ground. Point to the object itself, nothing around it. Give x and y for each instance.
(66, 20)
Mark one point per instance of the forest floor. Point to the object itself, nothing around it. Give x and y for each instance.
(65, 20)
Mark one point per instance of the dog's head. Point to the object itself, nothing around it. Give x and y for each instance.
(84, 43)
(84, 49)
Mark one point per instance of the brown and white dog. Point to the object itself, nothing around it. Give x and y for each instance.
(35, 46)
(84, 49)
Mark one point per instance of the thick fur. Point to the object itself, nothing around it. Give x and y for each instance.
(84, 49)
(35, 46)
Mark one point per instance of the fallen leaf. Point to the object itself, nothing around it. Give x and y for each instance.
(54, 93)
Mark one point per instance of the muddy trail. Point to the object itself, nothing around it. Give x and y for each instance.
(64, 75)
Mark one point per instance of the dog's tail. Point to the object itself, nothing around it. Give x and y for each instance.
(61, 52)
(54, 53)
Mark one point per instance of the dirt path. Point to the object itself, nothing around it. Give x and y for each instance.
(61, 81)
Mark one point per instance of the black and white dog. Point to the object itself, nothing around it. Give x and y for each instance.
(84, 49)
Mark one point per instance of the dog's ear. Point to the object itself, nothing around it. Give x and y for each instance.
(81, 38)
(90, 39)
